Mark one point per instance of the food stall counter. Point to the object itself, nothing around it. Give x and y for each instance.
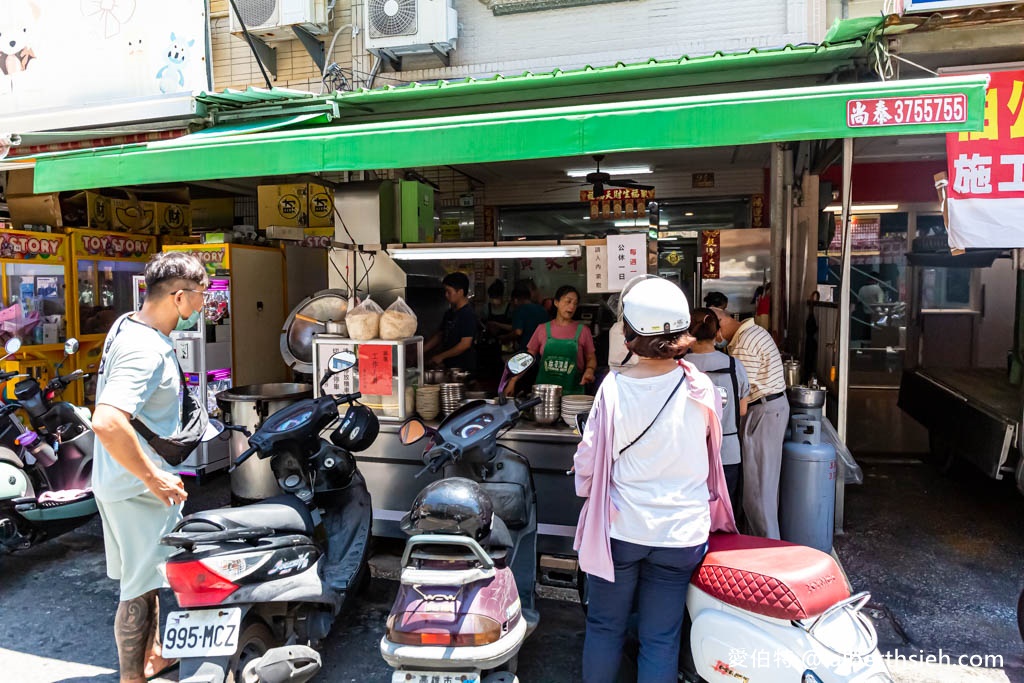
(390, 469)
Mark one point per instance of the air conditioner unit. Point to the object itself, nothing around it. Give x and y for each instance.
(408, 27)
(272, 20)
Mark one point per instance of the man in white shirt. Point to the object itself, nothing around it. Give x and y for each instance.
(764, 428)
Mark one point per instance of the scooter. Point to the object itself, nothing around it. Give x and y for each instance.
(45, 479)
(767, 610)
(465, 601)
(275, 573)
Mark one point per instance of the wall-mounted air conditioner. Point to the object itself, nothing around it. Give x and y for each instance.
(272, 20)
(408, 27)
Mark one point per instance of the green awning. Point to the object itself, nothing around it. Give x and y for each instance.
(249, 127)
(639, 80)
(669, 123)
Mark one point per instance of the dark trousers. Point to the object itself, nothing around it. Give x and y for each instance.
(657, 580)
(734, 482)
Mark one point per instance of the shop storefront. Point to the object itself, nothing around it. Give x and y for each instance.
(466, 136)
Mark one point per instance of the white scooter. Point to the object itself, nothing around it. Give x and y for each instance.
(773, 612)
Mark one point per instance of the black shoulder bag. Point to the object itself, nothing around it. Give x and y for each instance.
(664, 405)
(735, 392)
(176, 448)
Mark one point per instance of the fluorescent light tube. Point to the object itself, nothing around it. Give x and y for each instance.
(497, 252)
(862, 208)
(610, 170)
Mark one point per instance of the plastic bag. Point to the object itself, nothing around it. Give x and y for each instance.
(363, 321)
(398, 322)
(852, 474)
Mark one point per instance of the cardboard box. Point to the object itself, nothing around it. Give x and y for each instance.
(213, 213)
(27, 208)
(283, 232)
(296, 206)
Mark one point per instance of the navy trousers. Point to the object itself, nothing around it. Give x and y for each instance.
(655, 580)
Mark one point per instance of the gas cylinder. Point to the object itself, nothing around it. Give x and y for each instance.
(807, 487)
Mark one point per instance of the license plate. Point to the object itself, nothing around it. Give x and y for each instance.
(433, 677)
(202, 633)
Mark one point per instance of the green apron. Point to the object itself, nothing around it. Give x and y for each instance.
(558, 364)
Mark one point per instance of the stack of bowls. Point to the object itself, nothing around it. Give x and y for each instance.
(452, 395)
(548, 411)
(428, 401)
(574, 404)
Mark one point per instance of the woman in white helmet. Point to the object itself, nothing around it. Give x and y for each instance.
(649, 465)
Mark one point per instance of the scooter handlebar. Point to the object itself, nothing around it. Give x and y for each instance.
(348, 398)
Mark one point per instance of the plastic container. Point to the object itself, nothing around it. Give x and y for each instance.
(39, 449)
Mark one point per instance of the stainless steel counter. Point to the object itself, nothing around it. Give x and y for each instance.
(390, 468)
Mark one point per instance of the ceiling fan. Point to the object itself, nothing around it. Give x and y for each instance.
(599, 180)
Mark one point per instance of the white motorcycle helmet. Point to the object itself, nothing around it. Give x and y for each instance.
(652, 305)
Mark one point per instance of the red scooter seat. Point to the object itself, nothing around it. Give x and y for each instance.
(771, 578)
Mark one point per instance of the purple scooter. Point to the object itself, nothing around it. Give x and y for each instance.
(465, 603)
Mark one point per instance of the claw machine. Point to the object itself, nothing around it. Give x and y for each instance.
(237, 342)
(104, 265)
(35, 300)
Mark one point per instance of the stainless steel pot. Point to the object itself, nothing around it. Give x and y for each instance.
(791, 368)
(805, 397)
(434, 376)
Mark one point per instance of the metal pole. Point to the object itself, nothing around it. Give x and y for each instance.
(844, 323)
(777, 225)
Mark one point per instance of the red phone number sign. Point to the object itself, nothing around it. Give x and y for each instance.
(902, 111)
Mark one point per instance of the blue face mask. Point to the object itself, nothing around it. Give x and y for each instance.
(722, 345)
(187, 323)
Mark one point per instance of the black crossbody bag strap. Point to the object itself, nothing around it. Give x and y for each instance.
(664, 405)
(140, 426)
(735, 390)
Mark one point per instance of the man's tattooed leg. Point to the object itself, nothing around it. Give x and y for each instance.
(133, 630)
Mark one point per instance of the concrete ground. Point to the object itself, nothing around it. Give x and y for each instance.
(941, 556)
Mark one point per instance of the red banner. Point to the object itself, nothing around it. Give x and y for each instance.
(986, 171)
(711, 247)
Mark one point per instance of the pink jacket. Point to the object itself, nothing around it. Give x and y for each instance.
(593, 464)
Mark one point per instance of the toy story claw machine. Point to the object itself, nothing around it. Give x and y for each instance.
(103, 265)
(36, 300)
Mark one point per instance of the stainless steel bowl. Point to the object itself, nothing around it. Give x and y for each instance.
(434, 376)
(805, 397)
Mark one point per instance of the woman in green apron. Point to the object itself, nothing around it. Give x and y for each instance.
(565, 347)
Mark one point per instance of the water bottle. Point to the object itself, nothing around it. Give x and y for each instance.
(39, 449)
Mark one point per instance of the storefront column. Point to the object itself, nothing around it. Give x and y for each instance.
(844, 323)
(778, 235)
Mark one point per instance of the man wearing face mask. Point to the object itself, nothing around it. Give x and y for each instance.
(139, 497)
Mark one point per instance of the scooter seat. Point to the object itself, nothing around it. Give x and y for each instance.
(282, 513)
(771, 578)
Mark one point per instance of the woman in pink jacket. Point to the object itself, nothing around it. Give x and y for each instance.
(649, 465)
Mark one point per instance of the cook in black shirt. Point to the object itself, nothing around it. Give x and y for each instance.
(459, 329)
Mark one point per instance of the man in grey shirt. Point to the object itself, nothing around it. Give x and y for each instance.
(139, 497)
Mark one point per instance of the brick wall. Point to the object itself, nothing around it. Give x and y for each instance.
(597, 35)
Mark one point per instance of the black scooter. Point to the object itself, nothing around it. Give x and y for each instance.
(275, 573)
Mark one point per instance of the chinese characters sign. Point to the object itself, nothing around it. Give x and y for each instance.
(627, 258)
(375, 370)
(597, 269)
(758, 212)
(986, 171)
(618, 202)
(901, 111)
(711, 250)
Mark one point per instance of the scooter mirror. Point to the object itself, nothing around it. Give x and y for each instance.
(71, 347)
(286, 664)
(341, 361)
(412, 431)
(520, 363)
(13, 345)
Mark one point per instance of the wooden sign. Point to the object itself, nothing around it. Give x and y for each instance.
(618, 202)
(711, 249)
(703, 180)
(758, 211)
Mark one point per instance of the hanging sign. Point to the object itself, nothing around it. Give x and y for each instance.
(597, 269)
(26, 246)
(112, 246)
(702, 180)
(711, 250)
(985, 195)
(903, 111)
(627, 258)
(618, 202)
(758, 219)
(375, 370)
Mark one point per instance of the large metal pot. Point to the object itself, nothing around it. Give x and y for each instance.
(249, 406)
(434, 376)
(805, 397)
